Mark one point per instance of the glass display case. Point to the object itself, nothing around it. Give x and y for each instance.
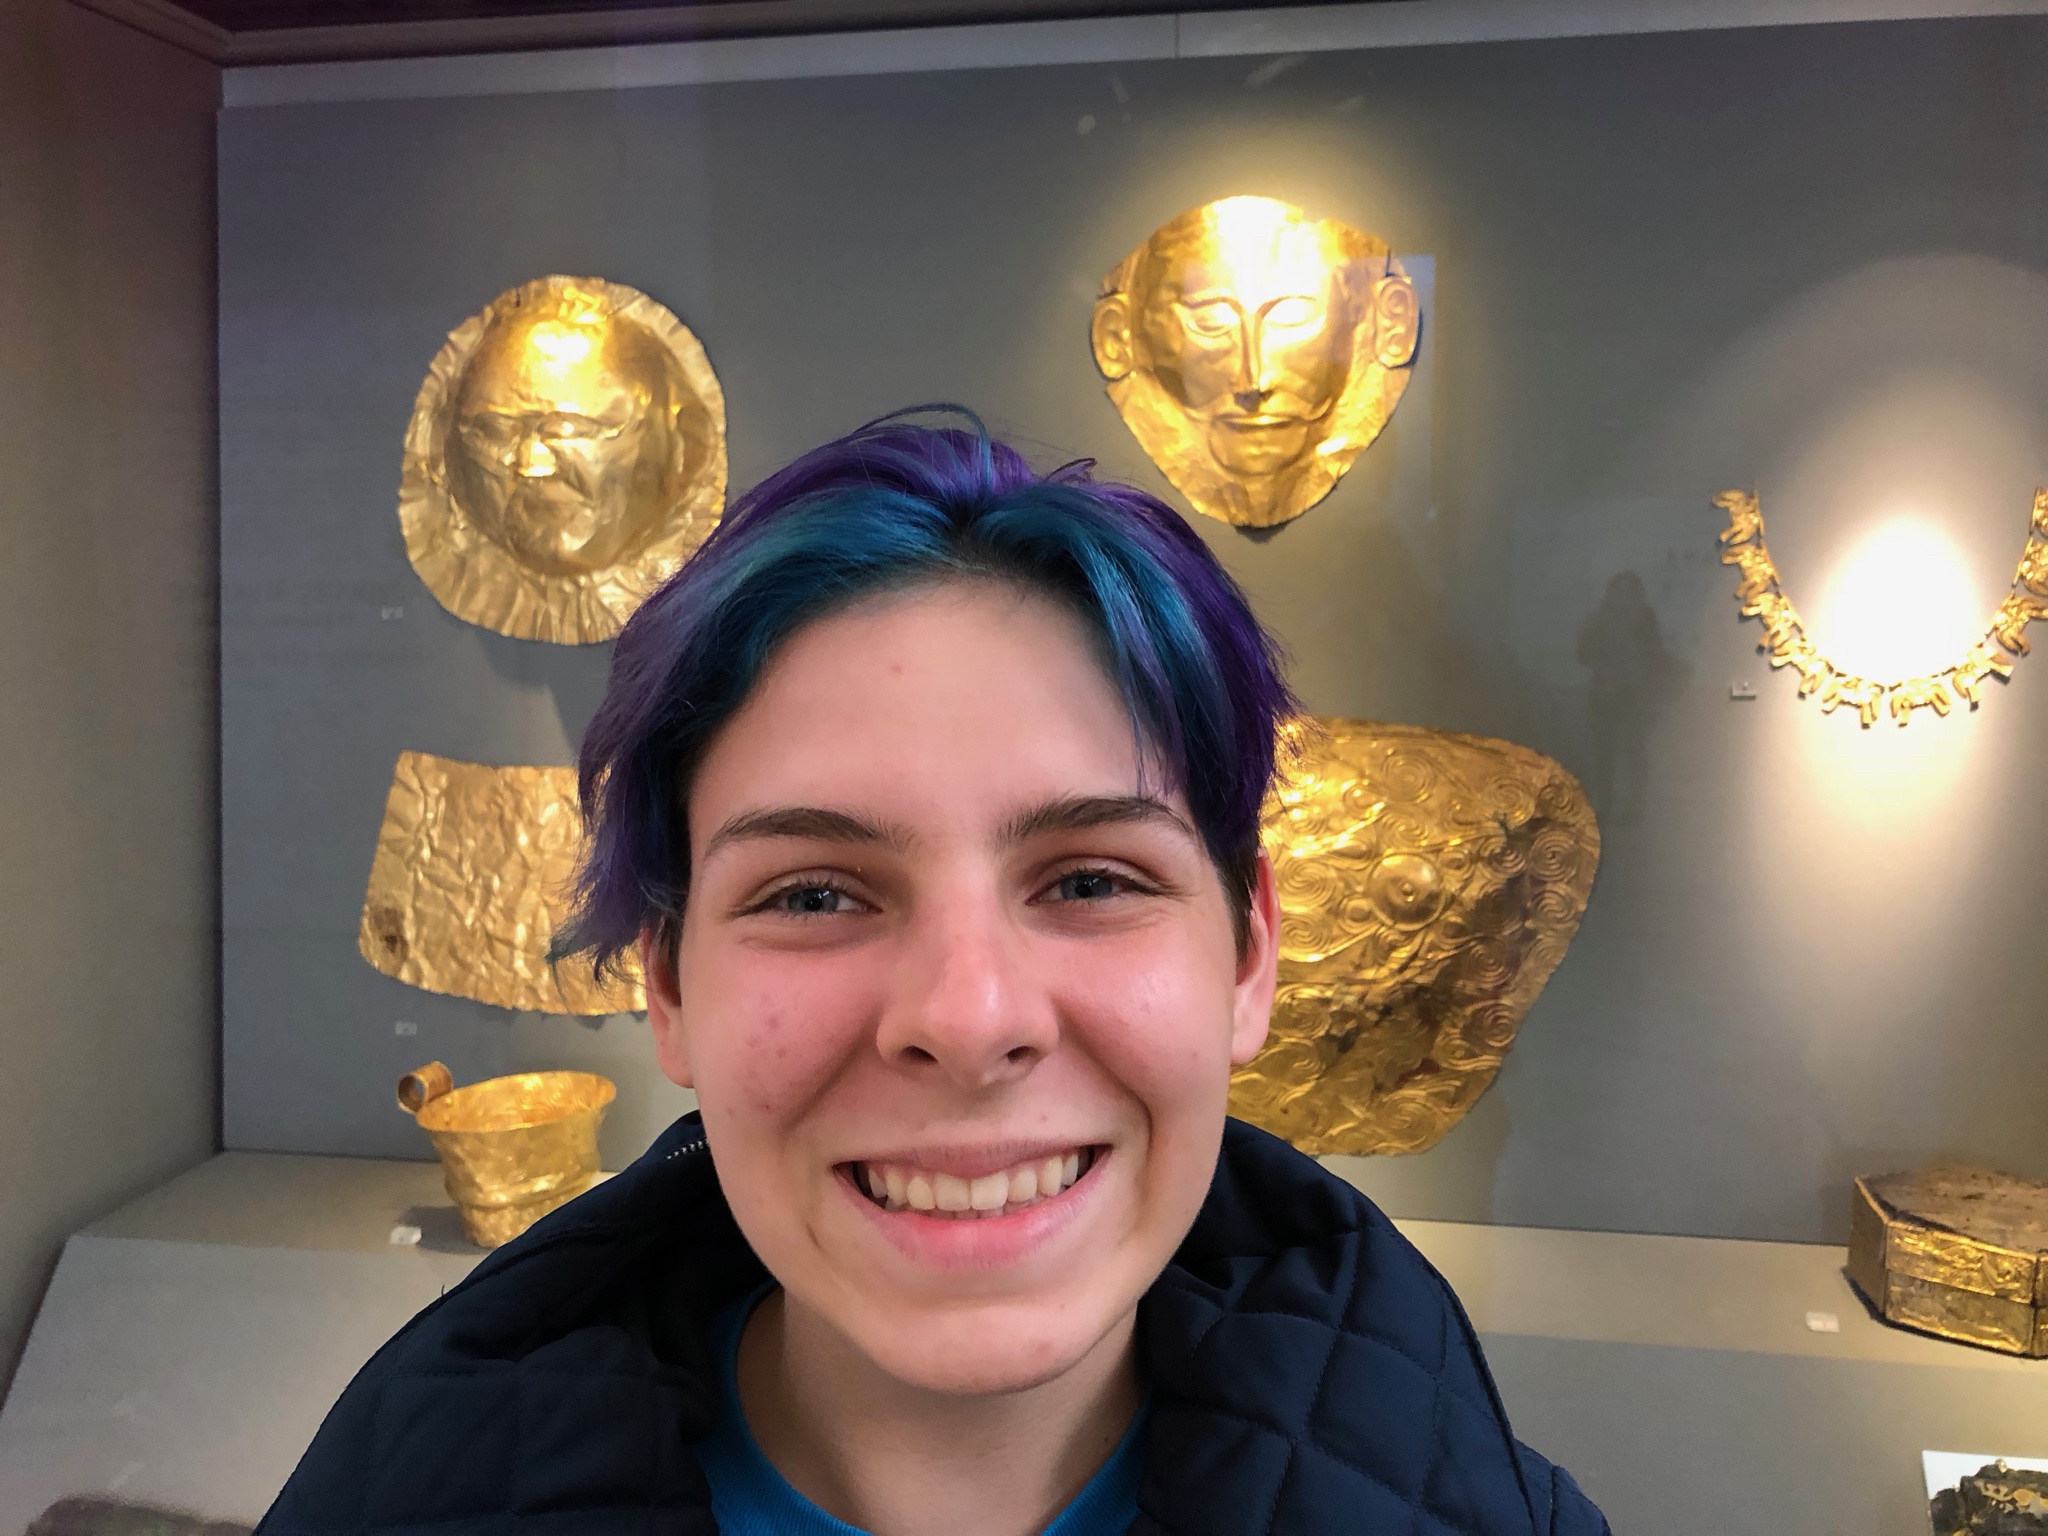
(365, 377)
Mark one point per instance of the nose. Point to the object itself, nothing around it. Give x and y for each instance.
(965, 1005)
(533, 458)
(1252, 388)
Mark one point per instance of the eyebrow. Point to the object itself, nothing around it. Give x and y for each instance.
(1080, 812)
(809, 823)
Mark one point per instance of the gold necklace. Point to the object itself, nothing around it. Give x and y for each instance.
(1762, 596)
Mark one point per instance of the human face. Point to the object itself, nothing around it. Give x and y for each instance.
(557, 455)
(1247, 328)
(942, 928)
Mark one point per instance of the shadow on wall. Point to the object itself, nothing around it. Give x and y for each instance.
(1622, 646)
(1375, 627)
(111, 1517)
(569, 678)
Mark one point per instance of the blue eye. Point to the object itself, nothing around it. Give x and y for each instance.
(1087, 885)
(811, 900)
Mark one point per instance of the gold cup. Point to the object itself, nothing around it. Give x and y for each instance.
(512, 1148)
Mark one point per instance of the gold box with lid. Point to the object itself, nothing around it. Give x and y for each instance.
(1961, 1253)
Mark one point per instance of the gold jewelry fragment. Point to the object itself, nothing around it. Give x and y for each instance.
(1429, 884)
(566, 453)
(470, 881)
(1762, 595)
(1255, 353)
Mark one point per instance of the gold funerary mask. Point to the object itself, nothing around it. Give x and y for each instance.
(566, 453)
(470, 881)
(1429, 884)
(1255, 353)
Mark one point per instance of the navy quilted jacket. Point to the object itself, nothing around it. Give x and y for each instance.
(1310, 1373)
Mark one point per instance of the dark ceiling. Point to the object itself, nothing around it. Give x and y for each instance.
(283, 31)
(275, 15)
(265, 15)
(269, 15)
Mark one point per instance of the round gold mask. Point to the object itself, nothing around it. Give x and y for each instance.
(566, 454)
(1255, 353)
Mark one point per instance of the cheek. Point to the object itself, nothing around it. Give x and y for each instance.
(1209, 363)
(1318, 361)
(775, 1033)
(1159, 1024)
(1179, 355)
(588, 470)
(479, 485)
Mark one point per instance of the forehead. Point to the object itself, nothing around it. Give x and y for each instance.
(1253, 260)
(947, 705)
(579, 361)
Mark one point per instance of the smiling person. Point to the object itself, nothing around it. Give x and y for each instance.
(927, 795)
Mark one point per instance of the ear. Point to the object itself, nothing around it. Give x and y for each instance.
(1258, 970)
(1396, 322)
(665, 1008)
(1110, 334)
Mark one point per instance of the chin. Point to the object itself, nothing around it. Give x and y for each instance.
(1258, 451)
(987, 1351)
(556, 557)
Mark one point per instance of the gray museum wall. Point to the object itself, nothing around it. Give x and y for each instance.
(108, 893)
(1810, 260)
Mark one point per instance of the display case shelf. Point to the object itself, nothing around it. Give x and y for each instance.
(191, 1342)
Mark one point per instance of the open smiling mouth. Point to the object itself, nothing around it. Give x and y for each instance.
(904, 1187)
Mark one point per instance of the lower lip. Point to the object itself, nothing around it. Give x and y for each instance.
(979, 1242)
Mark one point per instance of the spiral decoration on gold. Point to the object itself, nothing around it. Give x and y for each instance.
(1762, 596)
(1429, 884)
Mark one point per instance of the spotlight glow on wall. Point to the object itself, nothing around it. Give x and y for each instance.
(1900, 590)
(1901, 605)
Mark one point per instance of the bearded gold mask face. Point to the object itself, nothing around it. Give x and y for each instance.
(566, 453)
(1255, 354)
(560, 454)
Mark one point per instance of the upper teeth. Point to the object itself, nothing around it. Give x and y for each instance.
(903, 1187)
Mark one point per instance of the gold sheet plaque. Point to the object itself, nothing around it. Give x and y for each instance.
(1255, 353)
(1956, 1252)
(1429, 884)
(470, 881)
(566, 453)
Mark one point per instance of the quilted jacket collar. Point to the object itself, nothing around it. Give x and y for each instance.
(1310, 1373)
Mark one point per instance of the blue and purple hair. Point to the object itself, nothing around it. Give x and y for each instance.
(897, 505)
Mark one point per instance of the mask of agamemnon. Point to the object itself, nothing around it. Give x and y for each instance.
(566, 453)
(1256, 353)
(1429, 884)
(470, 881)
